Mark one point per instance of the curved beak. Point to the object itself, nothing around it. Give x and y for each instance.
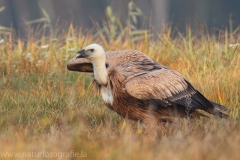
(81, 54)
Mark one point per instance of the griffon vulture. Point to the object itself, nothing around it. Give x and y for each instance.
(139, 88)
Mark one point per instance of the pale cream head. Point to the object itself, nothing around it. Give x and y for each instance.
(96, 54)
(93, 52)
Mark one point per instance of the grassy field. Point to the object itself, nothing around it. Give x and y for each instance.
(49, 112)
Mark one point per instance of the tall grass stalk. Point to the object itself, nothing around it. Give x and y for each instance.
(9, 58)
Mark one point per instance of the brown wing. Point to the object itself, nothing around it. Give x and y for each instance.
(167, 88)
(163, 85)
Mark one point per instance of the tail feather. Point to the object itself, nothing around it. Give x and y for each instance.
(198, 101)
(220, 114)
(219, 106)
(219, 109)
(209, 106)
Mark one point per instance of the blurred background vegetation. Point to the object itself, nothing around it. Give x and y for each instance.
(214, 14)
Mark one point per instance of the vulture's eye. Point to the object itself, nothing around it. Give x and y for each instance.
(91, 50)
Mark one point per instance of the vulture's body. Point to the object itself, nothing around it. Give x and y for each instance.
(139, 88)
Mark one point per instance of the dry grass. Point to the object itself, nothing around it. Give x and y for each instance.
(45, 108)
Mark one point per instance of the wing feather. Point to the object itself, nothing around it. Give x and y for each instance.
(162, 84)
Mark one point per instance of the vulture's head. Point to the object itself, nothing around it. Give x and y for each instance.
(92, 52)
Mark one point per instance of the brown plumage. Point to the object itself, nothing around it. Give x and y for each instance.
(139, 88)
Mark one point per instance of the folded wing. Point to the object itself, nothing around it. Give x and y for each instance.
(167, 87)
